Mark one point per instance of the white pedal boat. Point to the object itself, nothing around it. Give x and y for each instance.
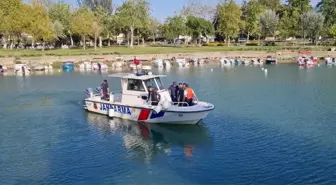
(158, 63)
(166, 64)
(85, 65)
(22, 69)
(131, 103)
(95, 66)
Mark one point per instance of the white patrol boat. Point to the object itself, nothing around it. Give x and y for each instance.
(132, 104)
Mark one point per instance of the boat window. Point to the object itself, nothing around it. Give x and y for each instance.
(135, 85)
(151, 82)
(158, 81)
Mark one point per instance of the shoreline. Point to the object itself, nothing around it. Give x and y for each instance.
(284, 56)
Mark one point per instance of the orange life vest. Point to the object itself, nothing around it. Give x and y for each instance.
(190, 93)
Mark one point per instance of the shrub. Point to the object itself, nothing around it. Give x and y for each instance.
(210, 44)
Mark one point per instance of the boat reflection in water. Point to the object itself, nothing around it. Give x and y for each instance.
(145, 141)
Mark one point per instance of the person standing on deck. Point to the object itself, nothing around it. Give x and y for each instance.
(105, 91)
(153, 96)
(190, 95)
(173, 90)
(180, 94)
(136, 62)
(99, 67)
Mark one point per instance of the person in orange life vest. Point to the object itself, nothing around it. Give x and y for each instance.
(189, 94)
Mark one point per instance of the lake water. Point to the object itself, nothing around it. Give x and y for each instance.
(274, 129)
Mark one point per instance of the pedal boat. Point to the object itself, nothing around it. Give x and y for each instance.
(132, 104)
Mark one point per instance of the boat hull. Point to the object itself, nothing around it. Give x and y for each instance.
(175, 115)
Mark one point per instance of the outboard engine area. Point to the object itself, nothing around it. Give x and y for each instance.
(88, 93)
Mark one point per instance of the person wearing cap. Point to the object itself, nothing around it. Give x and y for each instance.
(173, 91)
(153, 96)
(105, 90)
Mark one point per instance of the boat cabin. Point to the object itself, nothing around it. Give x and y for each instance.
(134, 87)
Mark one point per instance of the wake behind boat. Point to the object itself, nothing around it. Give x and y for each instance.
(132, 103)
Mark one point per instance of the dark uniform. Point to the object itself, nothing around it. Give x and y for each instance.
(173, 90)
(180, 94)
(153, 96)
(104, 88)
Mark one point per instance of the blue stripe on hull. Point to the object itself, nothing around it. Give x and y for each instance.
(157, 115)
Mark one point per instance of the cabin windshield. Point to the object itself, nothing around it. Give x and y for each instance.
(158, 81)
(151, 82)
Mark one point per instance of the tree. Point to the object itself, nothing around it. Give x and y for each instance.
(313, 24)
(93, 4)
(253, 9)
(133, 14)
(270, 4)
(198, 9)
(96, 30)
(174, 27)
(59, 30)
(42, 28)
(12, 21)
(328, 9)
(153, 27)
(60, 13)
(268, 22)
(288, 24)
(101, 23)
(229, 19)
(332, 31)
(199, 27)
(82, 22)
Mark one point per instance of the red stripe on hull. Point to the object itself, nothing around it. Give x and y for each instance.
(144, 113)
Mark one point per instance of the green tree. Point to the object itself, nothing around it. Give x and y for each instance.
(96, 31)
(270, 4)
(253, 9)
(313, 24)
(174, 27)
(101, 23)
(199, 27)
(153, 27)
(112, 27)
(93, 4)
(133, 14)
(328, 9)
(59, 30)
(268, 22)
(60, 13)
(42, 28)
(82, 22)
(166, 31)
(12, 20)
(229, 19)
(332, 31)
(289, 23)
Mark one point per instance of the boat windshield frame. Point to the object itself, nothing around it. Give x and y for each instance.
(155, 82)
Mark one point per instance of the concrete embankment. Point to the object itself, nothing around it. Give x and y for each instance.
(282, 56)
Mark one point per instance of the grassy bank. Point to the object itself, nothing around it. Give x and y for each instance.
(147, 50)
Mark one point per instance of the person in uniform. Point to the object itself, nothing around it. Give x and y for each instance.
(105, 91)
(173, 90)
(180, 94)
(153, 96)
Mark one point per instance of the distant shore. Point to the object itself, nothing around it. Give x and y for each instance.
(9, 57)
